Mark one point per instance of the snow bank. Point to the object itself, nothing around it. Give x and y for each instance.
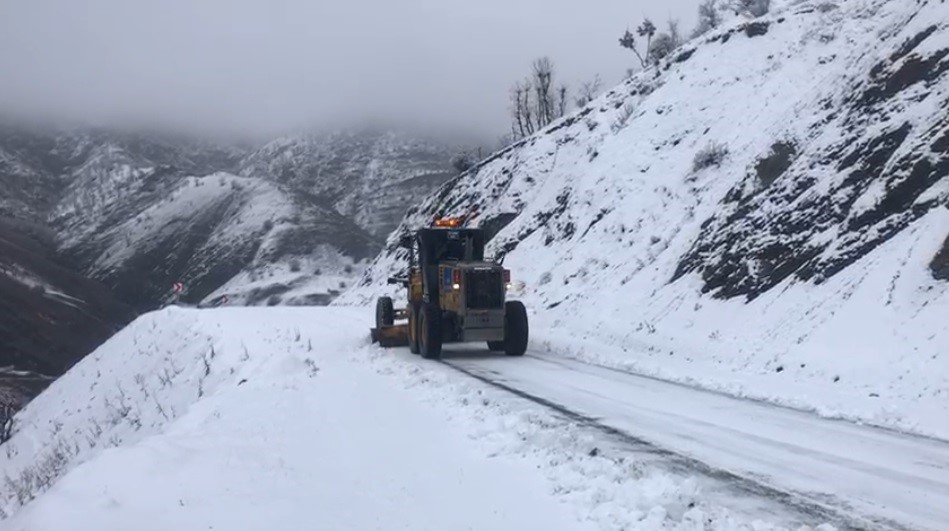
(277, 418)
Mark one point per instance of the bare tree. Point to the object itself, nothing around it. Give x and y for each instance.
(535, 103)
(628, 41)
(561, 101)
(523, 123)
(543, 76)
(674, 32)
(588, 91)
(645, 30)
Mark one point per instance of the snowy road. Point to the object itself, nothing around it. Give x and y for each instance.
(872, 477)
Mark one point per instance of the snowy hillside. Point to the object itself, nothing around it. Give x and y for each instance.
(766, 213)
(370, 177)
(202, 231)
(275, 418)
(289, 222)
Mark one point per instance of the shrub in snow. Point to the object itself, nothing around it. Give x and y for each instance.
(461, 162)
(274, 300)
(755, 8)
(709, 17)
(545, 279)
(661, 47)
(623, 117)
(36, 479)
(712, 155)
(268, 225)
(588, 91)
(295, 266)
(348, 269)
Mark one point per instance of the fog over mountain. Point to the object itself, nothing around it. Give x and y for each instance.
(264, 67)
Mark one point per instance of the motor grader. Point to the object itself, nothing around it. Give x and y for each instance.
(453, 295)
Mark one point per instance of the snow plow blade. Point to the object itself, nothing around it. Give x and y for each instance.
(391, 336)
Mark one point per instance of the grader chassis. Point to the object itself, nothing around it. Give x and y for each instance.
(454, 295)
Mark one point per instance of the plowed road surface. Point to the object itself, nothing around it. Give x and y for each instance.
(871, 478)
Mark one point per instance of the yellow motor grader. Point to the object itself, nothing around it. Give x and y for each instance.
(454, 295)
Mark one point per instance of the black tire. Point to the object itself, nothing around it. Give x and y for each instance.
(413, 329)
(496, 346)
(430, 332)
(385, 313)
(516, 330)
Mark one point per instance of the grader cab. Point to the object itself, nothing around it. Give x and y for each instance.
(453, 295)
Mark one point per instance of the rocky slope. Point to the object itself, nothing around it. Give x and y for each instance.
(764, 213)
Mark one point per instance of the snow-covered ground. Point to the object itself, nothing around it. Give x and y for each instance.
(314, 279)
(281, 418)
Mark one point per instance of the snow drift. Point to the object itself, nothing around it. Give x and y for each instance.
(764, 213)
(258, 419)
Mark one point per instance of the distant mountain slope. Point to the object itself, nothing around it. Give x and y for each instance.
(370, 177)
(50, 317)
(763, 213)
(201, 231)
(143, 211)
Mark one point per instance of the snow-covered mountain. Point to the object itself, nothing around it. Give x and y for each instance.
(370, 177)
(765, 212)
(289, 222)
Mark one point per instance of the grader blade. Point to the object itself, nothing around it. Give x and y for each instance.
(391, 336)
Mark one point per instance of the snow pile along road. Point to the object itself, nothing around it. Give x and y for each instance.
(765, 214)
(287, 418)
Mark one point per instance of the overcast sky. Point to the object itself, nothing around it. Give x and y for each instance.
(262, 66)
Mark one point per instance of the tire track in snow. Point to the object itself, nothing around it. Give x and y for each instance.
(816, 507)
